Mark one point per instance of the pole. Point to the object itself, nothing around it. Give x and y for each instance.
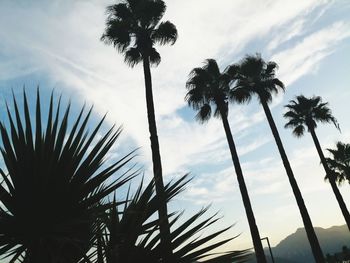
(268, 243)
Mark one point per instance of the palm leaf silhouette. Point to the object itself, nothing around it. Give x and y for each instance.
(54, 183)
(132, 234)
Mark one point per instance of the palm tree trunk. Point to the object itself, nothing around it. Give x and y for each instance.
(335, 189)
(157, 165)
(310, 232)
(259, 251)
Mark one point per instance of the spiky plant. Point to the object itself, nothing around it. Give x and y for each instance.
(54, 183)
(132, 232)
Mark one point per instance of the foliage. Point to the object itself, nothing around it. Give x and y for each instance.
(53, 199)
(55, 184)
(133, 27)
(339, 162)
(132, 235)
(207, 88)
(306, 112)
(254, 76)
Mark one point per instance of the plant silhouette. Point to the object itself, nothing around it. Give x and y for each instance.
(131, 234)
(54, 184)
(339, 162)
(255, 77)
(207, 88)
(133, 27)
(305, 113)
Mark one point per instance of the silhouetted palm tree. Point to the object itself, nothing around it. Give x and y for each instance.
(207, 88)
(305, 113)
(257, 77)
(133, 27)
(340, 162)
(53, 185)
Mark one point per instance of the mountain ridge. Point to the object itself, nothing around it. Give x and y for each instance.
(295, 248)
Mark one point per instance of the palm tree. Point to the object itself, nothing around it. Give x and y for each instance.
(207, 88)
(133, 27)
(257, 77)
(305, 113)
(53, 184)
(339, 163)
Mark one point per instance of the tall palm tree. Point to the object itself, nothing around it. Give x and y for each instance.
(340, 162)
(207, 88)
(133, 27)
(257, 77)
(306, 113)
(53, 184)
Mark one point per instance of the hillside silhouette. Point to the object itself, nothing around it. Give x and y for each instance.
(295, 248)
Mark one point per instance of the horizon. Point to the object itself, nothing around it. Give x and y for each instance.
(60, 48)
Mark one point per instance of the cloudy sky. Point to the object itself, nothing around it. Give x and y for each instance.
(55, 44)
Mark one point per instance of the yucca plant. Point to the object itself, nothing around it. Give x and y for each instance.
(54, 184)
(132, 232)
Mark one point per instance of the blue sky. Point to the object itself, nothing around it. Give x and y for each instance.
(55, 44)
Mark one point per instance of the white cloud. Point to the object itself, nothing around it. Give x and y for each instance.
(305, 57)
(291, 31)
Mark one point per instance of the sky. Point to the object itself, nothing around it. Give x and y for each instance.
(56, 45)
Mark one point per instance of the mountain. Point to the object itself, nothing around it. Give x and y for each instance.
(295, 248)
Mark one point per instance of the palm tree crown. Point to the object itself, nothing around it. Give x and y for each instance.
(339, 162)
(255, 76)
(133, 27)
(306, 112)
(207, 88)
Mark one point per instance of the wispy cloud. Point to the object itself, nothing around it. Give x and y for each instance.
(305, 57)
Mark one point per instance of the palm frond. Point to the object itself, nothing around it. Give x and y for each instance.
(119, 12)
(165, 33)
(339, 162)
(212, 67)
(147, 12)
(154, 57)
(240, 94)
(132, 56)
(117, 33)
(204, 113)
(134, 236)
